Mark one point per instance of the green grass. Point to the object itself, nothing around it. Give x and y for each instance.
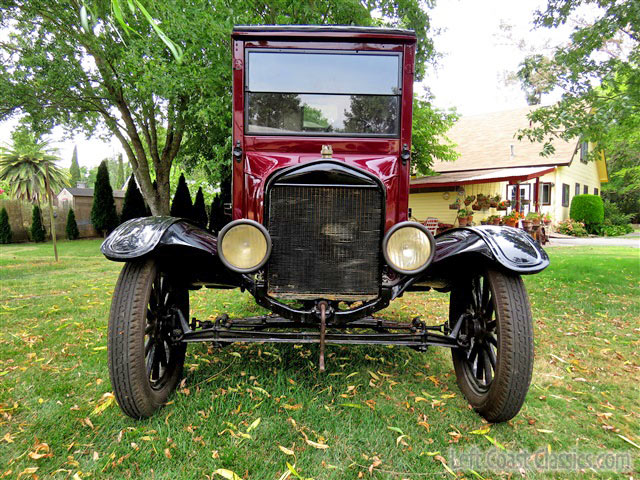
(53, 375)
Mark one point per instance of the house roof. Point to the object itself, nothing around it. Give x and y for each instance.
(454, 179)
(88, 192)
(484, 142)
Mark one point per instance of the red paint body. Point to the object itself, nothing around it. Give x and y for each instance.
(262, 155)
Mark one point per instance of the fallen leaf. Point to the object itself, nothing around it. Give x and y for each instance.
(481, 431)
(28, 471)
(167, 453)
(254, 424)
(223, 472)
(285, 450)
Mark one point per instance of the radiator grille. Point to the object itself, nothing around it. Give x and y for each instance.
(326, 242)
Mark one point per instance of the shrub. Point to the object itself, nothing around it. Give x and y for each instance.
(181, 205)
(588, 209)
(5, 227)
(199, 210)
(104, 217)
(37, 228)
(133, 206)
(72, 226)
(571, 227)
(216, 218)
(614, 216)
(615, 230)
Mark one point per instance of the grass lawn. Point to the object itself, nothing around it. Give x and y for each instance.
(383, 412)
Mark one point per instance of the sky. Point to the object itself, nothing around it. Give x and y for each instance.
(468, 76)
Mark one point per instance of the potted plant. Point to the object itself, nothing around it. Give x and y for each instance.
(476, 206)
(511, 219)
(534, 217)
(455, 205)
(462, 217)
(504, 205)
(469, 200)
(494, 201)
(546, 218)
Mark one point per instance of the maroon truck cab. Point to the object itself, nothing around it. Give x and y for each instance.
(319, 234)
(347, 87)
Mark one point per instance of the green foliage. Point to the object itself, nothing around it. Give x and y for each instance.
(614, 230)
(428, 137)
(5, 228)
(37, 228)
(588, 209)
(133, 206)
(571, 227)
(72, 226)
(598, 72)
(28, 166)
(74, 169)
(613, 215)
(120, 173)
(104, 217)
(181, 205)
(199, 210)
(158, 75)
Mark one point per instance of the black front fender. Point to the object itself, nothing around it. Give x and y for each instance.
(510, 248)
(156, 236)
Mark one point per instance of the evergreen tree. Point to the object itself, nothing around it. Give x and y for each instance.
(133, 206)
(120, 173)
(72, 226)
(5, 227)
(74, 170)
(216, 218)
(182, 206)
(103, 211)
(199, 210)
(37, 228)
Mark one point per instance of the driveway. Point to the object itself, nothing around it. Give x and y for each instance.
(630, 240)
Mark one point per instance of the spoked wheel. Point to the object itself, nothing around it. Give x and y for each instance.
(494, 359)
(145, 366)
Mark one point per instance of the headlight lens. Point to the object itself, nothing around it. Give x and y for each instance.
(244, 246)
(409, 248)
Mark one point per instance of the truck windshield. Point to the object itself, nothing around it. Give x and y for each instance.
(322, 93)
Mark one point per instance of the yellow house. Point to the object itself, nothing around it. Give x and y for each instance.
(493, 162)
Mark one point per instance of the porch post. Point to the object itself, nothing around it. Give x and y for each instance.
(517, 207)
(536, 195)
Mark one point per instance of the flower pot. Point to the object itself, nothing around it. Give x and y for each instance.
(526, 224)
(454, 206)
(510, 222)
(536, 221)
(475, 206)
(496, 221)
(493, 204)
(462, 222)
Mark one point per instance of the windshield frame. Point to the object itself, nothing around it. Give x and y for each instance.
(311, 51)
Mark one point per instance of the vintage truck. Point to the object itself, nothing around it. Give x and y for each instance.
(320, 234)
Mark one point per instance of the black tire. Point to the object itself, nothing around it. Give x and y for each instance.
(144, 366)
(495, 363)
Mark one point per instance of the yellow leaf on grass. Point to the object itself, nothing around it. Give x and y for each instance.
(285, 450)
(7, 438)
(481, 431)
(228, 474)
(253, 425)
(28, 471)
(105, 402)
(373, 375)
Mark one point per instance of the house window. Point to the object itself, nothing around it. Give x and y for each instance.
(577, 189)
(546, 194)
(585, 189)
(584, 151)
(565, 195)
(595, 191)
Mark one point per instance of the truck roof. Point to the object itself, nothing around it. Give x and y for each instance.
(331, 31)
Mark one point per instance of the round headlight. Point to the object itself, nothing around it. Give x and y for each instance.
(244, 246)
(408, 247)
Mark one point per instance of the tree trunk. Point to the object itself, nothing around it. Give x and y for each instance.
(51, 219)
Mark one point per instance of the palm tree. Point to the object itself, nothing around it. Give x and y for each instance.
(29, 167)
